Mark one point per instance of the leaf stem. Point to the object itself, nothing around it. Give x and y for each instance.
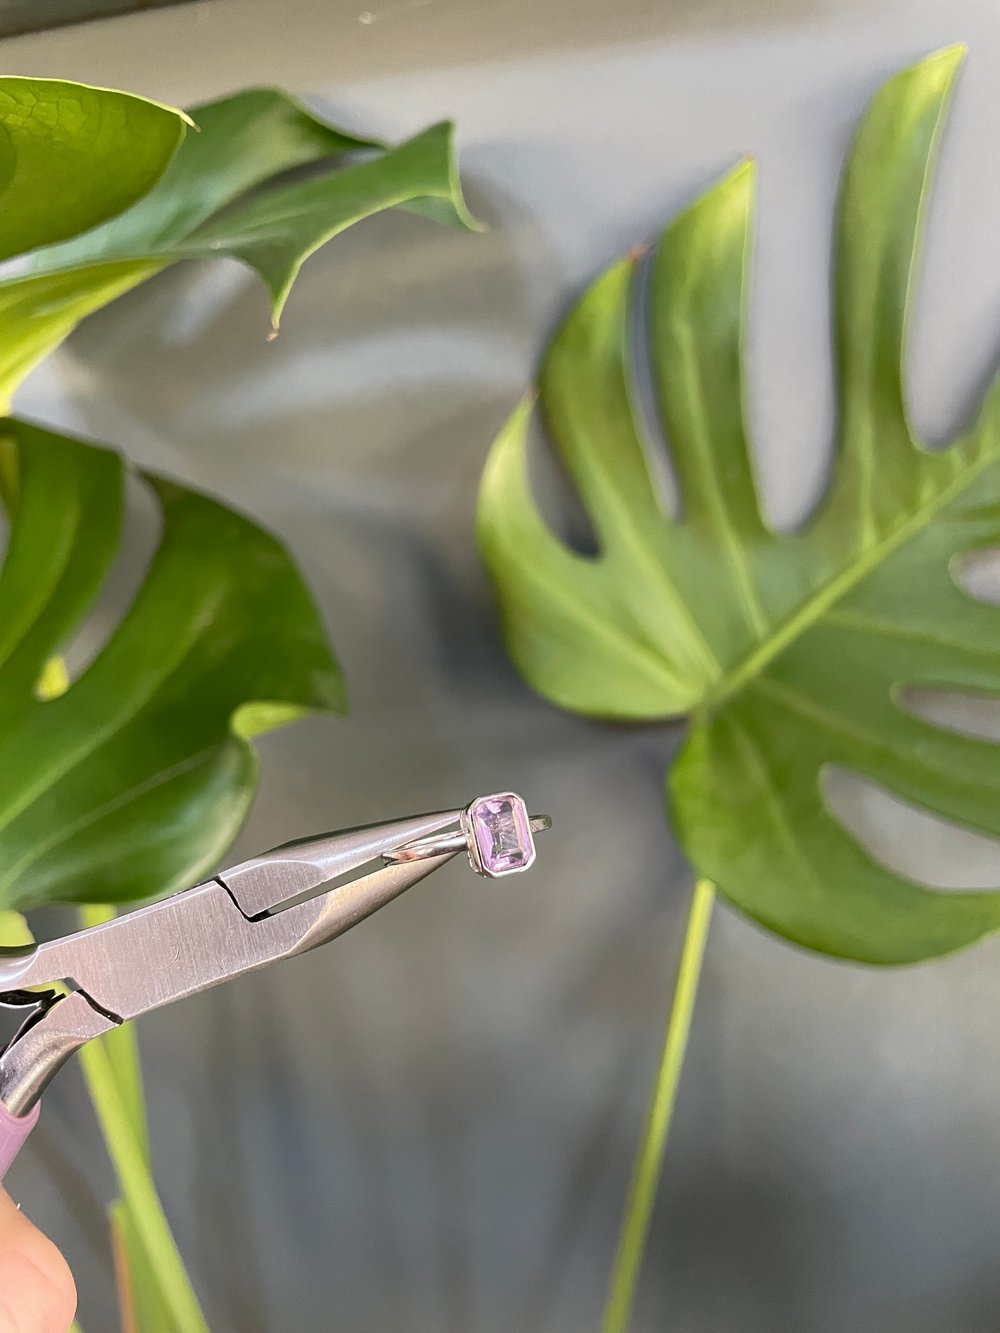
(138, 1189)
(649, 1158)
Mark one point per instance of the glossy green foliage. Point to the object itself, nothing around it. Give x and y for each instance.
(71, 157)
(135, 779)
(791, 652)
(261, 180)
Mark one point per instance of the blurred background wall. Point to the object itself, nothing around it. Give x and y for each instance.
(428, 1128)
(21, 16)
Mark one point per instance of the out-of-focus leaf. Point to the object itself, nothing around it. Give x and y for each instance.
(72, 156)
(135, 780)
(240, 142)
(790, 652)
(229, 192)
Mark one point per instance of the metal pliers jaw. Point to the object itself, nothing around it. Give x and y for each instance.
(273, 906)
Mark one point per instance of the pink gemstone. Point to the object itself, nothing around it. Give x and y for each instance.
(501, 832)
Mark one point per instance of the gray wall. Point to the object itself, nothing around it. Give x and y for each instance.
(428, 1127)
(20, 16)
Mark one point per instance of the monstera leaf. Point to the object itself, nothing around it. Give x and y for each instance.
(229, 191)
(131, 779)
(136, 778)
(71, 157)
(790, 652)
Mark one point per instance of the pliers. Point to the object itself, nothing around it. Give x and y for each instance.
(83, 985)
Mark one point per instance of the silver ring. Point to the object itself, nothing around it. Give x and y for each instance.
(496, 831)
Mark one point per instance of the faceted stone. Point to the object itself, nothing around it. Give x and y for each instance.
(501, 830)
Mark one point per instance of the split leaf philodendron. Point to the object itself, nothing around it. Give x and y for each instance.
(227, 191)
(71, 157)
(132, 779)
(136, 779)
(789, 652)
(125, 785)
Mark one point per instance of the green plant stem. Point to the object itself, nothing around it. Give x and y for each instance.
(138, 1189)
(649, 1159)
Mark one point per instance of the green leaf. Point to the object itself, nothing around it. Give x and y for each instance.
(276, 231)
(241, 141)
(791, 652)
(73, 156)
(229, 192)
(136, 779)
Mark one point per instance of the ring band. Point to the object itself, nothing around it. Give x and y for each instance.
(438, 844)
(496, 831)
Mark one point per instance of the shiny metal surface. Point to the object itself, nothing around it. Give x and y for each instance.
(262, 883)
(436, 844)
(194, 940)
(31, 1061)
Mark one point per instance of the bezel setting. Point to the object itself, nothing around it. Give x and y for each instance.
(498, 831)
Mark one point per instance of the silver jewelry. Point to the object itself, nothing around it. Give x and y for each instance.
(496, 831)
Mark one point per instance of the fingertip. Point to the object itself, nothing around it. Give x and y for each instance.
(37, 1291)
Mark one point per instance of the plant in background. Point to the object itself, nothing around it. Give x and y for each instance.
(133, 779)
(790, 653)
